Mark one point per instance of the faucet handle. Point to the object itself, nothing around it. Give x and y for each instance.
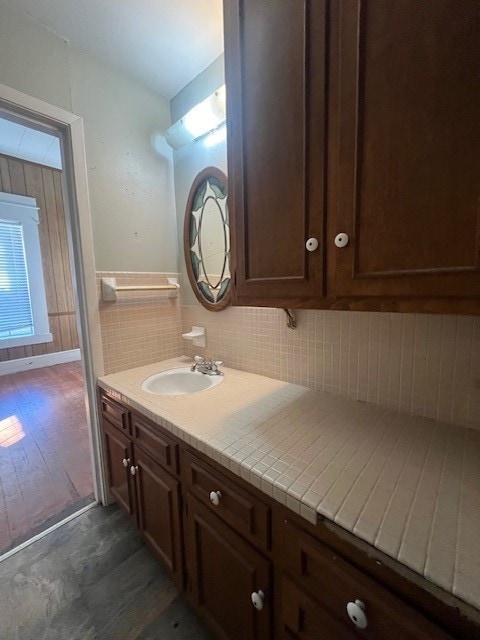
(218, 363)
(199, 360)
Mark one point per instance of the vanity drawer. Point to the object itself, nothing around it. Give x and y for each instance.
(331, 583)
(305, 619)
(247, 515)
(116, 414)
(160, 447)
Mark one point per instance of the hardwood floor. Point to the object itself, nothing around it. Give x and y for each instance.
(92, 579)
(45, 469)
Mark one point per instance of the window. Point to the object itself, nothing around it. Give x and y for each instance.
(23, 307)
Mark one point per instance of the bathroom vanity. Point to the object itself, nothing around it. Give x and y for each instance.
(205, 478)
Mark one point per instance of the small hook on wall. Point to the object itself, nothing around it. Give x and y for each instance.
(291, 319)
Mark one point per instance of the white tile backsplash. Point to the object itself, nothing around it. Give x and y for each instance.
(427, 365)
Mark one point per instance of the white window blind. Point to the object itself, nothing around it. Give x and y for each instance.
(23, 302)
(16, 318)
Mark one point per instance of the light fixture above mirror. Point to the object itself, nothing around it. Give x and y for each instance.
(206, 117)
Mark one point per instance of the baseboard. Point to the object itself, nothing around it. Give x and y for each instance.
(38, 362)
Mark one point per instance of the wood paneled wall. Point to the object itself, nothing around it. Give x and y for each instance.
(44, 184)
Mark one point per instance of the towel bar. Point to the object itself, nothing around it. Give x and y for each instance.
(110, 288)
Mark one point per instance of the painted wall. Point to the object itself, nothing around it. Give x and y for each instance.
(192, 158)
(129, 164)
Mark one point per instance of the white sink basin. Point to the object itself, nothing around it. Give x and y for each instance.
(178, 382)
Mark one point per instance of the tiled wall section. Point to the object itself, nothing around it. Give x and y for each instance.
(427, 365)
(140, 327)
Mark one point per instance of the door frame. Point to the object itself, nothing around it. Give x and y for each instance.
(69, 128)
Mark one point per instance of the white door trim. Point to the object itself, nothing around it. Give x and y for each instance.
(69, 127)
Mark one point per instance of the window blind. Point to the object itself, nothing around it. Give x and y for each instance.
(15, 306)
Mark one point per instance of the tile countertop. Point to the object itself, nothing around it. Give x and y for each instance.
(410, 486)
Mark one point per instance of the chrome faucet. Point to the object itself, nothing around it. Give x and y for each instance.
(209, 367)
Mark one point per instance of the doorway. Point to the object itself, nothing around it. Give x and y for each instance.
(50, 462)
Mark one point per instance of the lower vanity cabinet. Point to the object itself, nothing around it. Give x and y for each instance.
(149, 494)
(158, 508)
(230, 581)
(323, 595)
(252, 568)
(119, 458)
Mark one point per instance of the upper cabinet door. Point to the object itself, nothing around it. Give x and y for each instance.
(275, 75)
(405, 149)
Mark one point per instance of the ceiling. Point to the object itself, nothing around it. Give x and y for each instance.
(163, 43)
(29, 144)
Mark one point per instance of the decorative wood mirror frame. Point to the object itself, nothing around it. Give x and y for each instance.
(202, 289)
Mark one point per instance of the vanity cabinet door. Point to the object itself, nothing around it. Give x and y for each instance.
(405, 132)
(119, 454)
(225, 572)
(321, 590)
(158, 500)
(275, 75)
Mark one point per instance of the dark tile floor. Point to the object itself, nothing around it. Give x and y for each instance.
(92, 579)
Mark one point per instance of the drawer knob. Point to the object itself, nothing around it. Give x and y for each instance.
(341, 240)
(215, 497)
(311, 244)
(126, 462)
(258, 599)
(133, 470)
(356, 613)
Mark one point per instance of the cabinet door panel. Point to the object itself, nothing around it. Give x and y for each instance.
(331, 583)
(120, 481)
(225, 571)
(406, 148)
(305, 619)
(275, 73)
(158, 500)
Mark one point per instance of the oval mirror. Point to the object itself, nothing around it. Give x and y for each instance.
(207, 239)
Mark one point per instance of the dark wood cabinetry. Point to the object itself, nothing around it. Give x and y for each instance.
(140, 479)
(225, 572)
(276, 145)
(252, 569)
(406, 130)
(318, 585)
(119, 459)
(158, 500)
(363, 118)
(244, 513)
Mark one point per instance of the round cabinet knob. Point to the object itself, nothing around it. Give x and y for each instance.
(133, 470)
(258, 600)
(341, 240)
(311, 244)
(215, 497)
(356, 613)
(126, 462)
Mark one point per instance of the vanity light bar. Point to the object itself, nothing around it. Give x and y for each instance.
(110, 288)
(204, 118)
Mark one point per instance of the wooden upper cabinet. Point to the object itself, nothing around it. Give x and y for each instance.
(404, 161)
(275, 75)
(359, 117)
